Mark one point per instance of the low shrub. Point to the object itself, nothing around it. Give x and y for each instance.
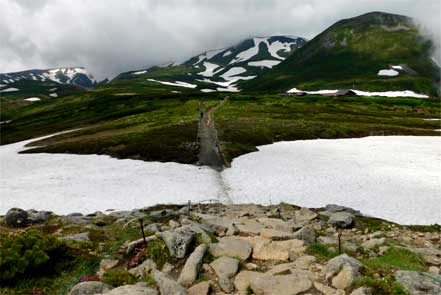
(118, 278)
(29, 252)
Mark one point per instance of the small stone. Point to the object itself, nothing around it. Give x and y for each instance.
(167, 268)
(251, 266)
(178, 240)
(89, 288)
(152, 227)
(173, 224)
(232, 230)
(167, 285)
(203, 288)
(362, 291)
(434, 270)
(107, 264)
(326, 290)
(345, 277)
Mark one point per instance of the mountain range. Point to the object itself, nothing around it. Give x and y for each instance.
(373, 52)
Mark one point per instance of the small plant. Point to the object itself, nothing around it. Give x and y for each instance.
(118, 278)
(384, 285)
(396, 258)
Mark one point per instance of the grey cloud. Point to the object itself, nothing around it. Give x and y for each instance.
(112, 36)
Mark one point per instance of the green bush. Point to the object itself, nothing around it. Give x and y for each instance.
(28, 252)
(322, 252)
(118, 278)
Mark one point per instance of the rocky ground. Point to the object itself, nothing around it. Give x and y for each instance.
(241, 249)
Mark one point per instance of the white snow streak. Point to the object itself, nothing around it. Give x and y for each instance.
(177, 83)
(264, 63)
(209, 69)
(390, 73)
(33, 99)
(140, 72)
(404, 93)
(11, 89)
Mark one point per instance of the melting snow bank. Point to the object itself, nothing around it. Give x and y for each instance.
(391, 177)
(65, 183)
(177, 83)
(397, 178)
(404, 93)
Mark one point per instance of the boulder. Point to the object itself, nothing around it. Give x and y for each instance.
(16, 217)
(243, 280)
(225, 268)
(304, 216)
(419, 283)
(191, 268)
(202, 288)
(301, 263)
(90, 288)
(152, 227)
(280, 285)
(178, 240)
(167, 285)
(276, 235)
(332, 208)
(372, 243)
(326, 290)
(231, 247)
(232, 230)
(146, 267)
(277, 224)
(307, 234)
(138, 289)
(264, 249)
(341, 219)
(342, 270)
(38, 216)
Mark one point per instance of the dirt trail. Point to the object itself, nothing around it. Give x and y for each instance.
(210, 152)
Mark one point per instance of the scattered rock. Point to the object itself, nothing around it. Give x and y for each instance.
(38, 216)
(178, 240)
(341, 219)
(264, 249)
(152, 227)
(167, 268)
(307, 234)
(434, 270)
(191, 268)
(372, 243)
(90, 288)
(77, 237)
(342, 270)
(146, 267)
(327, 240)
(231, 247)
(225, 268)
(281, 285)
(107, 264)
(232, 230)
(167, 285)
(199, 289)
(304, 216)
(337, 208)
(362, 291)
(173, 224)
(16, 217)
(419, 283)
(160, 213)
(138, 289)
(276, 235)
(243, 280)
(326, 290)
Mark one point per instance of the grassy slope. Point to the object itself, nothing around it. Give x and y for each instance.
(153, 124)
(350, 53)
(248, 121)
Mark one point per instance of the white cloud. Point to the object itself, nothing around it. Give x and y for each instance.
(111, 36)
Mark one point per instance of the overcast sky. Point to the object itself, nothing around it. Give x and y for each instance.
(112, 36)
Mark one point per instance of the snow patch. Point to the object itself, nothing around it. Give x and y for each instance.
(209, 69)
(140, 72)
(53, 95)
(33, 99)
(381, 176)
(232, 72)
(66, 183)
(176, 83)
(432, 119)
(11, 89)
(404, 93)
(207, 90)
(227, 53)
(390, 73)
(264, 63)
(397, 68)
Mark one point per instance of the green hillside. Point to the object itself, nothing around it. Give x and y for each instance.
(350, 53)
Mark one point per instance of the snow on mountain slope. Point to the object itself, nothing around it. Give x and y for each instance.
(73, 75)
(248, 58)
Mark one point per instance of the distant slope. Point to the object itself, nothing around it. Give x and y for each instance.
(222, 69)
(352, 52)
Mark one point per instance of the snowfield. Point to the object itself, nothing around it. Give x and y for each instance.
(264, 63)
(66, 183)
(176, 83)
(390, 73)
(392, 177)
(404, 93)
